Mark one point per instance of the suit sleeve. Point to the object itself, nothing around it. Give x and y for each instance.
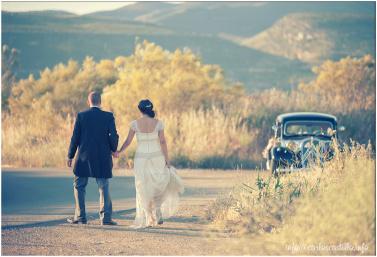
(113, 135)
(75, 139)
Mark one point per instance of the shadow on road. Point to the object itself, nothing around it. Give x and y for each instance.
(59, 221)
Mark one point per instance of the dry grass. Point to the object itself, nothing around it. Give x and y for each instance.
(37, 141)
(329, 211)
(209, 139)
(200, 139)
(210, 121)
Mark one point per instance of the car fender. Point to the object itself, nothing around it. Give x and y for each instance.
(283, 154)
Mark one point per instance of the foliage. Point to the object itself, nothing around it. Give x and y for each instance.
(35, 141)
(345, 89)
(209, 122)
(175, 82)
(343, 86)
(210, 139)
(62, 90)
(295, 213)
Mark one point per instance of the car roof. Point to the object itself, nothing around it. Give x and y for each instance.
(305, 115)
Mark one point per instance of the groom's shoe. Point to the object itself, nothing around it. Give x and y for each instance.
(73, 221)
(159, 216)
(109, 223)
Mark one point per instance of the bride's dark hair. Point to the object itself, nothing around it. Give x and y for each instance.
(146, 107)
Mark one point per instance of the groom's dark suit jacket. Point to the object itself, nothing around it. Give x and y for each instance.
(96, 137)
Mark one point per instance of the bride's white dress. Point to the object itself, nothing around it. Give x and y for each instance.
(157, 186)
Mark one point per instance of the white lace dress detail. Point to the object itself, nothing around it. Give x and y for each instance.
(157, 187)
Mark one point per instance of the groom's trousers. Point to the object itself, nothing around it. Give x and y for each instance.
(106, 208)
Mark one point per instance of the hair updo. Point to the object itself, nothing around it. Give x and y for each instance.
(146, 107)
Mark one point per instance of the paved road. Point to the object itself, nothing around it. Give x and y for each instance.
(35, 203)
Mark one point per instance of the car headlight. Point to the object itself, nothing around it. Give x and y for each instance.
(293, 146)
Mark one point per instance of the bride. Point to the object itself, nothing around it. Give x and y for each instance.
(156, 182)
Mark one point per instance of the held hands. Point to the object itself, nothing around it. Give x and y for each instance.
(116, 154)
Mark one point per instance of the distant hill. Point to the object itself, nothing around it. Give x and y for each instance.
(45, 40)
(131, 12)
(255, 69)
(261, 44)
(315, 37)
(51, 21)
(306, 31)
(237, 18)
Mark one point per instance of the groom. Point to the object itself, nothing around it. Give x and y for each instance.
(95, 136)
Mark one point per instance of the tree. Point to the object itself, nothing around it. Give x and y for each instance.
(9, 65)
(176, 82)
(64, 89)
(343, 86)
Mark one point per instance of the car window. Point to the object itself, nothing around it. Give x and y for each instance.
(310, 128)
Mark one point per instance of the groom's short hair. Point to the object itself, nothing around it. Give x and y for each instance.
(94, 98)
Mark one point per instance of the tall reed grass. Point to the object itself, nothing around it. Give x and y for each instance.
(209, 139)
(328, 210)
(36, 141)
(196, 138)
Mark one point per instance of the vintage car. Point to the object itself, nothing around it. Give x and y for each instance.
(300, 140)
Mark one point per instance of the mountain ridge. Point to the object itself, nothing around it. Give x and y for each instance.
(47, 38)
(216, 17)
(314, 37)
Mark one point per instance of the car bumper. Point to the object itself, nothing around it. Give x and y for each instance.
(289, 170)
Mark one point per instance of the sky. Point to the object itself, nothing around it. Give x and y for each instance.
(73, 6)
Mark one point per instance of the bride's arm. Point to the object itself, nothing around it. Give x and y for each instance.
(164, 146)
(128, 141)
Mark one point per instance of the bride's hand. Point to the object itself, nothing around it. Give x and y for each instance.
(116, 154)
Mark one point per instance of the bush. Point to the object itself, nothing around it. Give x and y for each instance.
(316, 212)
(35, 141)
(210, 123)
